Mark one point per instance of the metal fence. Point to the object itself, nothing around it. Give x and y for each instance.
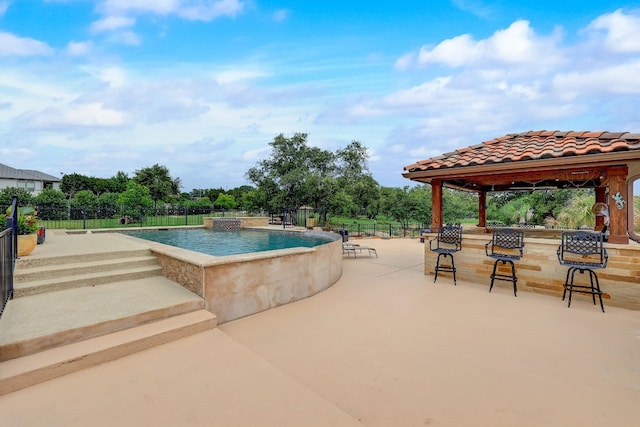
(6, 267)
(8, 253)
(96, 218)
(376, 230)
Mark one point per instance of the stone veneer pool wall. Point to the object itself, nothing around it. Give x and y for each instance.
(239, 285)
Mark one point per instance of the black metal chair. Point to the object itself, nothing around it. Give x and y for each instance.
(445, 244)
(506, 246)
(583, 251)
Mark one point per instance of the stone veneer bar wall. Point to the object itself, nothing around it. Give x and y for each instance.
(539, 270)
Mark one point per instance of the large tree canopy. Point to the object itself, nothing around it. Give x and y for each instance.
(296, 174)
(159, 182)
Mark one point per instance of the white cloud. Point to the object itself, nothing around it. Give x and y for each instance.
(236, 75)
(281, 15)
(476, 7)
(622, 31)
(111, 23)
(516, 45)
(618, 79)
(78, 48)
(11, 45)
(207, 10)
(196, 10)
(113, 76)
(83, 115)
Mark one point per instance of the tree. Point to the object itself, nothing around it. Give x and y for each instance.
(296, 175)
(108, 204)
(118, 183)
(135, 200)
(52, 204)
(86, 202)
(6, 197)
(287, 177)
(400, 205)
(458, 205)
(225, 201)
(578, 211)
(159, 182)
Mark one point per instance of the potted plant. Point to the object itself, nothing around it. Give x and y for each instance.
(311, 220)
(27, 230)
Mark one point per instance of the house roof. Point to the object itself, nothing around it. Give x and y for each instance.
(8, 172)
(531, 158)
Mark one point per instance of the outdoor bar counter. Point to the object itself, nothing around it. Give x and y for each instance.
(539, 270)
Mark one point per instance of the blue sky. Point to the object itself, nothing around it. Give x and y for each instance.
(203, 86)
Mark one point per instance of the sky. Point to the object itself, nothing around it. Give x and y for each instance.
(203, 86)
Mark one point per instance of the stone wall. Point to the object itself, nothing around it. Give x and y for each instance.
(243, 222)
(239, 285)
(539, 270)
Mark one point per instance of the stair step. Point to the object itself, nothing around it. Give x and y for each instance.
(27, 274)
(64, 282)
(29, 370)
(34, 262)
(34, 323)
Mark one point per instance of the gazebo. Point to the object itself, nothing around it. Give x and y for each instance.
(538, 160)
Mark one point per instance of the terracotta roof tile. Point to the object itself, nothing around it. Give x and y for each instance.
(532, 145)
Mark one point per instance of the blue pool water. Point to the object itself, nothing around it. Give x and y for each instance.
(221, 243)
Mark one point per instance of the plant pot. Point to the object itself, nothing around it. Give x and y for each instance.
(311, 222)
(26, 244)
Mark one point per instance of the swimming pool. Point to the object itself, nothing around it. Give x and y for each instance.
(223, 243)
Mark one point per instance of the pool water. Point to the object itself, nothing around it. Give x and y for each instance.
(221, 243)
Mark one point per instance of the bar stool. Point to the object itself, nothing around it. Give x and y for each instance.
(583, 251)
(445, 244)
(506, 246)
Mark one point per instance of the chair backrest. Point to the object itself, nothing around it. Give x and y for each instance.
(584, 244)
(449, 239)
(507, 238)
(450, 234)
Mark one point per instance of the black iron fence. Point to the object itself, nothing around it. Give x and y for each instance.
(6, 267)
(8, 253)
(376, 230)
(99, 217)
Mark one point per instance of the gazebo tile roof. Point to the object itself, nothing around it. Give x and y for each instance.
(533, 145)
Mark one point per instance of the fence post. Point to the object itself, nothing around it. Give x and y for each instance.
(13, 222)
(84, 219)
(186, 215)
(389, 230)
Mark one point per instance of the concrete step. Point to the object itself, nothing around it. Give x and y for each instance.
(26, 274)
(58, 281)
(94, 255)
(39, 322)
(33, 369)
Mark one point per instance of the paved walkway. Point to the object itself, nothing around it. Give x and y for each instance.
(385, 346)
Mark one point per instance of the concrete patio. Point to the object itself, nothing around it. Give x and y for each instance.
(384, 346)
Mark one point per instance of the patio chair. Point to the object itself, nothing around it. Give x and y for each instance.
(445, 244)
(351, 248)
(582, 251)
(506, 246)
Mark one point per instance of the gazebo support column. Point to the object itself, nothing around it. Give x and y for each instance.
(482, 209)
(436, 205)
(618, 204)
(601, 197)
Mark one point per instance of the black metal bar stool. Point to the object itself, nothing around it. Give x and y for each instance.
(505, 246)
(582, 251)
(448, 242)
